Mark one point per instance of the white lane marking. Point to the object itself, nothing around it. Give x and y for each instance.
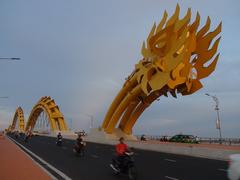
(52, 177)
(60, 173)
(172, 178)
(222, 170)
(170, 160)
(94, 156)
(64, 148)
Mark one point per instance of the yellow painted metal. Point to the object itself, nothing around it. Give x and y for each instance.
(128, 113)
(122, 107)
(138, 111)
(18, 116)
(176, 56)
(129, 84)
(55, 117)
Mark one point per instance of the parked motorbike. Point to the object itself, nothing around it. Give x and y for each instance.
(126, 167)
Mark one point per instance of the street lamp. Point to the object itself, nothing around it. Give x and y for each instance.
(70, 127)
(91, 124)
(11, 59)
(218, 126)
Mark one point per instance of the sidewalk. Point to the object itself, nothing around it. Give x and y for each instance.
(16, 165)
(201, 145)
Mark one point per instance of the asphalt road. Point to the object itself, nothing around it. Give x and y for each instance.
(150, 165)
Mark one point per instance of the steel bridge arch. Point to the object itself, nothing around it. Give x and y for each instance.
(55, 117)
(19, 115)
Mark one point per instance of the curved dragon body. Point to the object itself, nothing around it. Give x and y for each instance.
(18, 120)
(174, 60)
(47, 104)
(55, 117)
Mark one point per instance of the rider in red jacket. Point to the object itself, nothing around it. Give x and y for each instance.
(121, 148)
(118, 161)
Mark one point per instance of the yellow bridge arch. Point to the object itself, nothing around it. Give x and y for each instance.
(18, 116)
(46, 104)
(55, 117)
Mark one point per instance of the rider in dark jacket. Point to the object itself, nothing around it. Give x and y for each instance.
(79, 144)
(59, 139)
(59, 136)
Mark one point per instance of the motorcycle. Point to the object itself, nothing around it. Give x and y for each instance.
(17, 135)
(59, 142)
(126, 166)
(27, 137)
(79, 149)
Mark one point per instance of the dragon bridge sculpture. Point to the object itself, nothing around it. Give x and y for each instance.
(45, 104)
(176, 56)
(18, 120)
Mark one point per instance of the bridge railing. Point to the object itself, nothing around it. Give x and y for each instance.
(226, 141)
(203, 140)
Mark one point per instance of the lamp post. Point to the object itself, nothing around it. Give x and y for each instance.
(91, 123)
(218, 125)
(70, 127)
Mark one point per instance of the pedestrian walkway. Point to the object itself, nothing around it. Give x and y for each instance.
(16, 165)
(201, 145)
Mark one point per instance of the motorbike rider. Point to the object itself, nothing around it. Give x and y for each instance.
(59, 138)
(121, 149)
(16, 134)
(79, 144)
(27, 135)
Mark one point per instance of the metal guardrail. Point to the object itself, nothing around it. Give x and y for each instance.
(226, 141)
(207, 140)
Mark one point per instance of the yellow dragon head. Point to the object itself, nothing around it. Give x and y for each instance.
(175, 55)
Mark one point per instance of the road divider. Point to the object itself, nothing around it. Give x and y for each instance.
(222, 170)
(172, 178)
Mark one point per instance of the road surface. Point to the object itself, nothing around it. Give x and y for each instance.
(95, 164)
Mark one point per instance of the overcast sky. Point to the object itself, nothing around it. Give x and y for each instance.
(79, 53)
